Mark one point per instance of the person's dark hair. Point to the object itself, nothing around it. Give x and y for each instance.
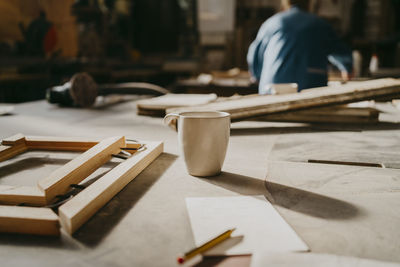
(302, 4)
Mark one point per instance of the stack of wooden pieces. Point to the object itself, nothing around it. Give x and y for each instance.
(247, 107)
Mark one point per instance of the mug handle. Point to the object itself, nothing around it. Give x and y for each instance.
(171, 120)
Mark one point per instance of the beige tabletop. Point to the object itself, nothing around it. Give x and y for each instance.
(344, 210)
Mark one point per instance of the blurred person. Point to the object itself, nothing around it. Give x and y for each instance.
(294, 46)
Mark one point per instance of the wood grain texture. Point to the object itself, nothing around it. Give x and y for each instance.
(76, 170)
(28, 220)
(21, 194)
(248, 107)
(78, 210)
(58, 143)
(333, 114)
(13, 140)
(7, 152)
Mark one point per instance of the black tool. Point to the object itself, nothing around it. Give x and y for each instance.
(81, 90)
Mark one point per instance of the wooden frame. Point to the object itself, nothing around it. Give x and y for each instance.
(58, 182)
(86, 203)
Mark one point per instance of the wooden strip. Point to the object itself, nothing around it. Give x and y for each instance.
(317, 118)
(13, 140)
(7, 152)
(21, 194)
(61, 147)
(28, 220)
(335, 114)
(59, 181)
(40, 138)
(78, 210)
(343, 110)
(60, 143)
(156, 106)
(324, 96)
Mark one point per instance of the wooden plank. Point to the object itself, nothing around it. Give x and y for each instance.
(78, 210)
(7, 152)
(334, 114)
(59, 181)
(156, 106)
(13, 140)
(12, 146)
(60, 143)
(317, 97)
(28, 220)
(21, 194)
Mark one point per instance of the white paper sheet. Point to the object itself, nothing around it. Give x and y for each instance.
(264, 258)
(258, 225)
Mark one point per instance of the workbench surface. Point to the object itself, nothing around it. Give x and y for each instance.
(344, 210)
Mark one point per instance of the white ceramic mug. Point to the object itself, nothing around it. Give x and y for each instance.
(203, 140)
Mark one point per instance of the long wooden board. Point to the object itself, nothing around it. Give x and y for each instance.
(78, 210)
(7, 152)
(28, 220)
(157, 106)
(248, 107)
(336, 114)
(13, 195)
(57, 143)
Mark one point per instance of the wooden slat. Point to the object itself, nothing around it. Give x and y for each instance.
(78, 210)
(334, 114)
(7, 152)
(156, 106)
(12, 146)
(21, 194)
(58, 182)
(58, 143)
(248, 107)
(13, 140)
(28, 220)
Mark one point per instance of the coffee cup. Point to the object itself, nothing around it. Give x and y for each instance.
(203, 140)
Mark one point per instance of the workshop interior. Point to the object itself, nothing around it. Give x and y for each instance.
(200, 133)
(44, 43)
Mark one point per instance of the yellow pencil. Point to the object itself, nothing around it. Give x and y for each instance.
(206, 246)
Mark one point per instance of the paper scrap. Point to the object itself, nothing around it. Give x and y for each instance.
(263, 258)
(258, 225)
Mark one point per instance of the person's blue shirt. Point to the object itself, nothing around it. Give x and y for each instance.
(294, 47)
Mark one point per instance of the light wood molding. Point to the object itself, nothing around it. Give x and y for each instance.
(28, 220)
(59, 181)
(78, 210)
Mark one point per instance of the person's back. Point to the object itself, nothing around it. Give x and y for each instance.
(293, 47)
